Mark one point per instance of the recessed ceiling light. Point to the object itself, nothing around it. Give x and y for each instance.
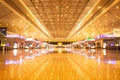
(65, 14)
(117, 7)
(88, 7)
(99, 7)
(113, 20)
(36, 7)
(106, 15)
(57, 7)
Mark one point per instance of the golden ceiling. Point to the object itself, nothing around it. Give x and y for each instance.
(60, 20)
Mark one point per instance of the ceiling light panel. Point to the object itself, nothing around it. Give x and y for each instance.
(59, 14)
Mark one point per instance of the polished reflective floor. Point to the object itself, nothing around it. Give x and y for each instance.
(60, 64)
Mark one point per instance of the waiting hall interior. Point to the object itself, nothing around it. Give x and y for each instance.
(59, 39)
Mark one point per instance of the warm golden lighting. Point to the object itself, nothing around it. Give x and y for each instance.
(35, 19)
(88, 7)
(99, 7)
(113, 20)
(106, 15)
(13, 24)
(79, 25)
(57, 7)
(65, 14)
(59, 44)
(36, 7)
(117, 7)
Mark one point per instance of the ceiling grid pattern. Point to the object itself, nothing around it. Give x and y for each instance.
(55, 20)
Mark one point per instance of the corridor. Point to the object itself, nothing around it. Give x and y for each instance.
(60, 64)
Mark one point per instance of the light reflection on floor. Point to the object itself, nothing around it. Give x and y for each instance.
(47, 64)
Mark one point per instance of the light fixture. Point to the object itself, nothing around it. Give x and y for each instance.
(106, 15)
(57, 7)
(113, 20)
(117, 7)
(99, 7)
(105, 20)
(65, 14)
(13, 24)
(67, 7)
(34, 19)
(88, 7)
(36, 7)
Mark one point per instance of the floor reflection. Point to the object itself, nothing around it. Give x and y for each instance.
(102, 55)
(60, 64)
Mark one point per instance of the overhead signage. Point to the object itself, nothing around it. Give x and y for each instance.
(90, 39)
(116, 32)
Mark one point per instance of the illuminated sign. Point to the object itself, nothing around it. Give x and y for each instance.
(90, 39)
(116, 32)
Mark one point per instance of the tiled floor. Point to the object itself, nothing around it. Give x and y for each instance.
(80, 64)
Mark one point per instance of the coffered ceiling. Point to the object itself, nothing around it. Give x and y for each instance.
(60, 20)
